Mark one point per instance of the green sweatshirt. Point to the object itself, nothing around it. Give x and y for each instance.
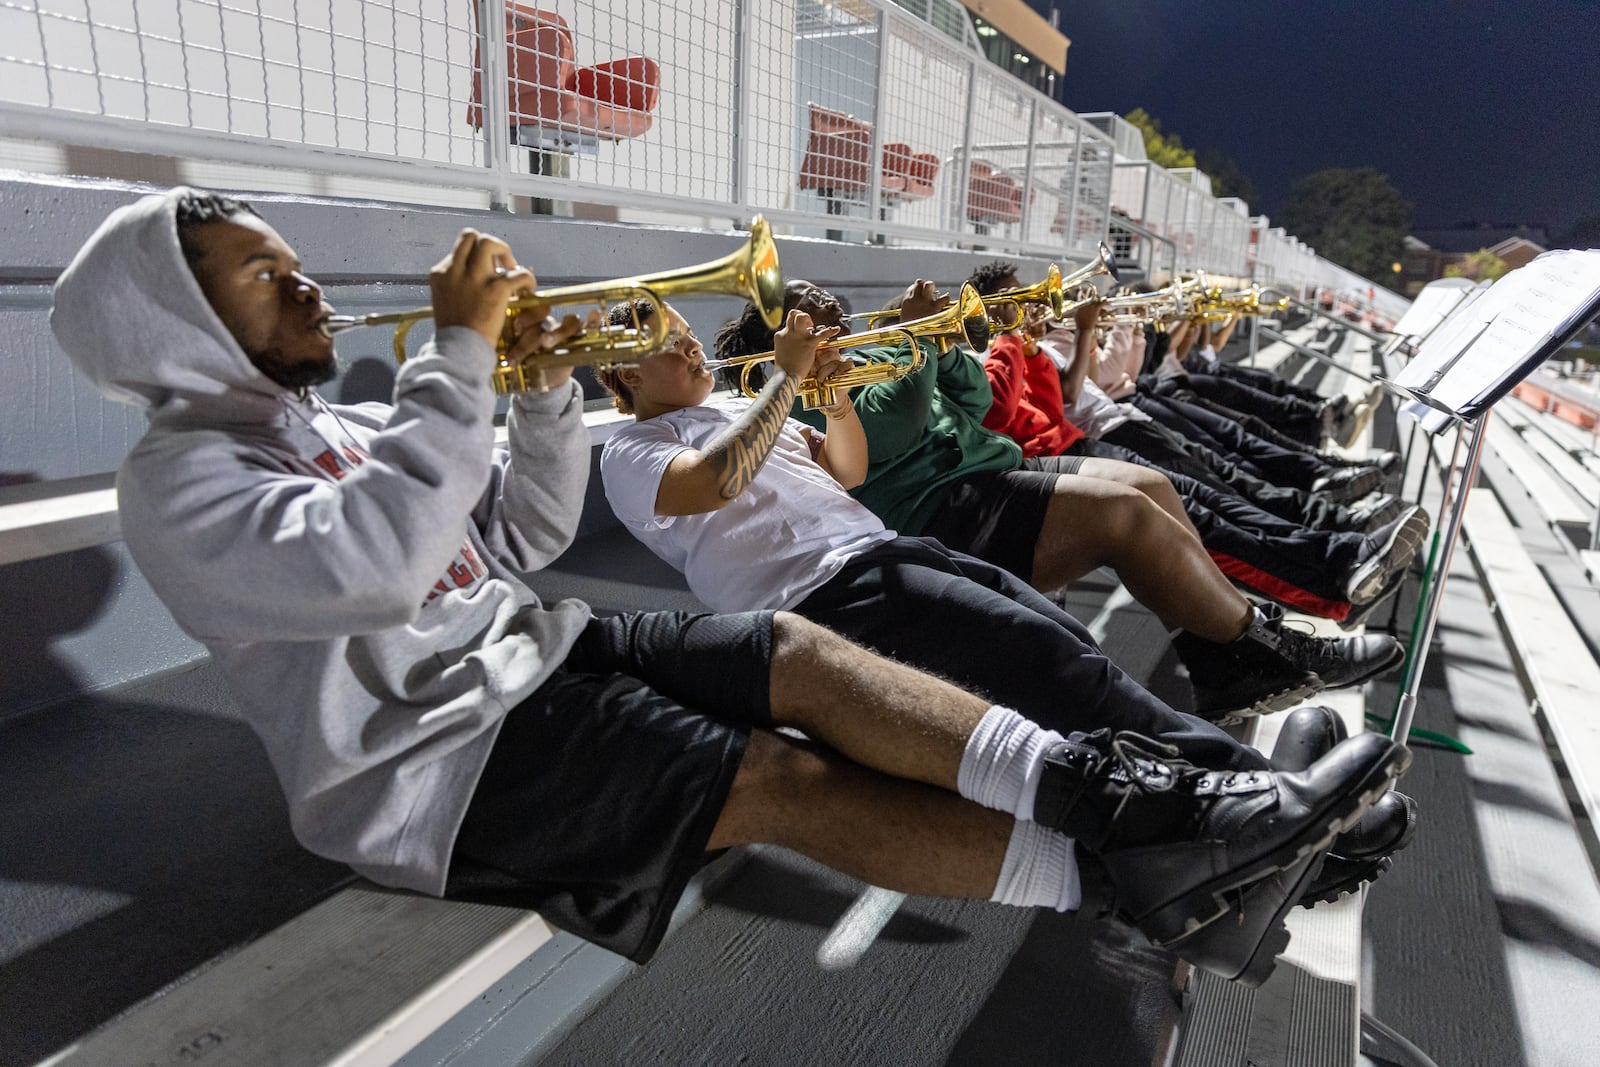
(923, 433)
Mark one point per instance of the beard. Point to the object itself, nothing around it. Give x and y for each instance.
(294, 375)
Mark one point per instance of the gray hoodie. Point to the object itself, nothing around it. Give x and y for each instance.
(353, 570)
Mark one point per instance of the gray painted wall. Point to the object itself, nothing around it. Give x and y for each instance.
(86, 620)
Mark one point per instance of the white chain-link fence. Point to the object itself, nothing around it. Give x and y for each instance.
(854, 119)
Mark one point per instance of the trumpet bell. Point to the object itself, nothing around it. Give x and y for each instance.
(751, 271)
(1005, 306)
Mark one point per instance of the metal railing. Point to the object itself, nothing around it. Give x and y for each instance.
(857, 119)
(743, 95)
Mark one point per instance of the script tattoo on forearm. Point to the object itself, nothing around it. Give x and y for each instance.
(738, 454)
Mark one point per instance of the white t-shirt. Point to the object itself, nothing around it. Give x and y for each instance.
(1093, 412)
(773, 545)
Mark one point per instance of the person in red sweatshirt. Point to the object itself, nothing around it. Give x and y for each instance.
(1028, 404)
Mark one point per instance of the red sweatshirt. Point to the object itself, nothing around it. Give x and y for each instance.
(1027, 403)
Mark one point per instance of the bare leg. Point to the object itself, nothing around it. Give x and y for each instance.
(1091, 523)
(1152, 483)
(885, 831)
(874, 711)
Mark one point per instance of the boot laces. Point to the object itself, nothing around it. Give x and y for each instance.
(1315, 654)
(1149, 765)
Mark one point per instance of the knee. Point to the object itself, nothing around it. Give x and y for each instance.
(792, 634)
(1154, 484)
(779, 779)
(1129, 517)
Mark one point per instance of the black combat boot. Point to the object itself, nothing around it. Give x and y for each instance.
(1271, 667)
(1170, 847)
(1364, 852)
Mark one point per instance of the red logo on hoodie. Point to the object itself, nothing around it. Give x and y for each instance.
(466, 569)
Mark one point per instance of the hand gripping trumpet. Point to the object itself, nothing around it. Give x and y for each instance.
(1052, 290)
(963, 322)
(752, 272)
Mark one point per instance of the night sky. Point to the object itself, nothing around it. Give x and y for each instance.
(1475, 110)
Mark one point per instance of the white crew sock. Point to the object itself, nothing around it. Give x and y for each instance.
(1040, 870)
(1003, 761)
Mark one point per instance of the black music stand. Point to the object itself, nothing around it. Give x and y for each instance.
(1475, 357)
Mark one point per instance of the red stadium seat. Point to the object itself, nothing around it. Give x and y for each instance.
(991, 196)
(908, 175)
(838, 155)
(553, 102)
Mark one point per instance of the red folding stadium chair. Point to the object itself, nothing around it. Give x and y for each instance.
(554, 103)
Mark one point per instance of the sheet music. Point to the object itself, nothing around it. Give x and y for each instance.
(1436, 300)
(1487, 341)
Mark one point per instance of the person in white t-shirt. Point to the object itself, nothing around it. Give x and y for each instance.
(793, 539)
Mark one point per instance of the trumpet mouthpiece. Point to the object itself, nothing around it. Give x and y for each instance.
(337, 324)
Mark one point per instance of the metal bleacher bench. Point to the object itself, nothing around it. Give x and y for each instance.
(368, 974)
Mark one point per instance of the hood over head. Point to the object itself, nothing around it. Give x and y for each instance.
(131, 317)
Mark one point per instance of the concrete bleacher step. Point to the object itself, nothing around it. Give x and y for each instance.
(39, 519)
(1557, 663)
(1578, 450)
(357, 980)
(1559, 505)
(1536, 431)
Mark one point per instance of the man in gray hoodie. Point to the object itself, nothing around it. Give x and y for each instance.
(356, 574)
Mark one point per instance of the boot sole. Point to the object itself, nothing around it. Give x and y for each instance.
(1352, 490)
(1360, 613)
(1392, 558)
(1367, 867)
(1360, 417)
(1280, 891)
(1169, 925)
(1368, 874)
(1282, 700)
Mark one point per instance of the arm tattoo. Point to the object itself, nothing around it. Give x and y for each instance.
(740, 451)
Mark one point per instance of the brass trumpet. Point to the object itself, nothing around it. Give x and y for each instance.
(1051, 290)
(1136, 308)
(1220, 306)
(963, 322)
(752, 272)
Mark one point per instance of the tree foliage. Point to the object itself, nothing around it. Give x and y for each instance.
(1585, 233)
(1163, 149)
(1227, 177)
(1482, 265)
(1353, 217)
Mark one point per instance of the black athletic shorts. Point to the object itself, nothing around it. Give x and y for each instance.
(603, 786)
(997, 515)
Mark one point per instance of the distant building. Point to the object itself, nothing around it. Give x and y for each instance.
(1000, 26)
(1429, 251)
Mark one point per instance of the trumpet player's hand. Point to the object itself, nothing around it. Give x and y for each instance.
(794, 346)
(830, 365)
(920, 300)
(1087, 317)
(1036, 320)
(472, 285)
(533, 336)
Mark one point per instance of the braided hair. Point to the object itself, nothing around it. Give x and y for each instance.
(744, 335)
(195, 209)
